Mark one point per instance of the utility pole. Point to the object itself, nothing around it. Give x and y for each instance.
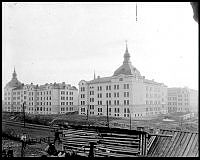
(87, 112)
(107, 115)
(130, 121)
(24, 112)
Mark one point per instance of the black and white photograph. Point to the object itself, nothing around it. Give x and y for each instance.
(100, 79)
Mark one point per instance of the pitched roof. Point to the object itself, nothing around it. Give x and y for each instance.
(181, 144)
(100, 80)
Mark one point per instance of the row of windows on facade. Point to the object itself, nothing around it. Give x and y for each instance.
(63, 92)
(41, 98)
(43, 109)
(179, 108)
(99, 88)
(174, 103)
(14, 108)
(14, 103)
(115, 102)
(63, 98)
(30, 103)
(151, 102)
(29, 93)
(66, 103)
(39, 93)
(108, 95)
(174, 98)
(153, 109)
(116, 110)
(30, 98)
(66, 109)
(31, 108)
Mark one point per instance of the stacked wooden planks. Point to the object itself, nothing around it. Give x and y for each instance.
(107, 144)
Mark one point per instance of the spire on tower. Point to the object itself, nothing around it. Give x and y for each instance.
(126, 55)
(14, 73)
(126, 47)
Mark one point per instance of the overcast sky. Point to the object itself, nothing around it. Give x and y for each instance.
(66, 42)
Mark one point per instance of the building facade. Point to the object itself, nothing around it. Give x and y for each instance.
(126, 93)
(57, 98)
(182, 100)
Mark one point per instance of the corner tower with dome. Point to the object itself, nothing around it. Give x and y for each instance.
(11, 90)
(126, 93)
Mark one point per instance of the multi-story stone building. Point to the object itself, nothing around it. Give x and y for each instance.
(124, 94)
(182, 100)
(57, 98)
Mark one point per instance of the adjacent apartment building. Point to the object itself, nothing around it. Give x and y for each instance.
(126, 93)
(57, 98)
(182, 100)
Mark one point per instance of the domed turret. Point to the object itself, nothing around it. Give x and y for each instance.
(127, 68)
(14, 82)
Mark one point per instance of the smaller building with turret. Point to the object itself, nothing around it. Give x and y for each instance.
(56, 98)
